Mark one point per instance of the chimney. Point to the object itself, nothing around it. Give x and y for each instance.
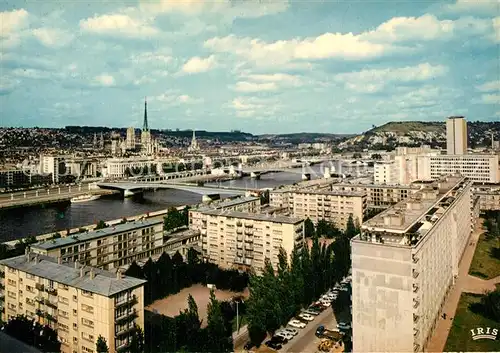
(82, 271)
(59, 260)
(76, 265)
(92, 273)
(36, 258)
(119, 274)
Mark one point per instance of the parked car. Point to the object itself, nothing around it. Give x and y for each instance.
(279, 339)
(291, 330)
(274, 345)
(316, 307)
(306, 316)
(282, 333)
(296, 323)
(343, 326)
(310, 312)
(326, 303)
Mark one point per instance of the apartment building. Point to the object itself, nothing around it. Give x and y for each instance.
(80, 303)
(403, 264)
(456, 135)
(489, 197)
(332, 206)
(480, 168)
(385, 173)
(378, 196)
(240, 240)
(108, 248)
(247, 204)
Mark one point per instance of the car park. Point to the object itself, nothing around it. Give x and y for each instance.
(279, 339)
(296, 323)
(310, 312)
(326, 303)
(274, 345)
(306, 317)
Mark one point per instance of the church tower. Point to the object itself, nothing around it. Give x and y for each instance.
(146, 141)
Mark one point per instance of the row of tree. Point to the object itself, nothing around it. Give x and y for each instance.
(184, 332)
(492, 224)
(325, 229)
(168, 275)
(33, 333)
(275, 297)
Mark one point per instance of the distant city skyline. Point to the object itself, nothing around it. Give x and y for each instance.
(259, 67)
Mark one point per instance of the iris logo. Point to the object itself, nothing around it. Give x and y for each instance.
(480, 333)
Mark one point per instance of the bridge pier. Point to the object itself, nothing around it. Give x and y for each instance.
(210, 197)
(306, 176)
(255, 175)
(131, 193)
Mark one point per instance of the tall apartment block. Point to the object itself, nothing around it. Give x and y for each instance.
(456, 135)
(247, 204)
(403, 264)
(108, 248)
(239, 240)
(333, 206)
(80, 303)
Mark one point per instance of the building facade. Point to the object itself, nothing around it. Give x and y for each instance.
(238, 240)
(80, 303)
(332, 206)
(108, 248)
(385, 173)
(456, 135)
(403, 265)
(480, 168)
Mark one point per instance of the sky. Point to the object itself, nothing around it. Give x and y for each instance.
(268, 66)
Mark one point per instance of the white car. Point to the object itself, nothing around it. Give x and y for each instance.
(286, 335)
(291, 330)
(343, 326)
(306, 317)
(326, 303)
(297, 324)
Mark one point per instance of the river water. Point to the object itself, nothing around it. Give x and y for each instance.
(23, 222)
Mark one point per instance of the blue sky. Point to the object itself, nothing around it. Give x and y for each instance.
(259, 66)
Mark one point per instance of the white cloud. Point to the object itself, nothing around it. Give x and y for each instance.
(119, 25)
(245, 86)
(8, 84)
(222, 8)
(12, 21)
(496, 29)
(489, 86)
(172, 98)
(51, 37)
(104, 80)
(474, 6)
(371, 81)
(197, 64)
(491, 99)
(31, 73)
(157, 57)
(276, 77)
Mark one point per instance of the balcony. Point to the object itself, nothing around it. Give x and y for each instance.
(415, 273)
(51, 291)
(416, 304)
(39, 286)
(50, 304)
(414, 258)
(126, 317)
(122, 347)
(415, 318)
(415, 332)
(50, 317)
(124, 330)
(132, 300)
(416, 348)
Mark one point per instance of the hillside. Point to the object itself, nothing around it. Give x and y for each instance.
(403, 127)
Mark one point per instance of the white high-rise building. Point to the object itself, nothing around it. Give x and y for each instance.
(456, 135)
(403, 265)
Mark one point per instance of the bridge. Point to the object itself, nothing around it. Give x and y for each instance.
(131, 188)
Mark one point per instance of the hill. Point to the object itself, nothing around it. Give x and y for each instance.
(404, 127)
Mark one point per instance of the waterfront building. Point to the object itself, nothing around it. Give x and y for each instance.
(239, 240)
(54, 165)
(79, 302)
(120, 167)
(456, 135)
(248, 204)
(404, 262)
(480, 168)
(331, 206)
(108, 248)
(379, 196)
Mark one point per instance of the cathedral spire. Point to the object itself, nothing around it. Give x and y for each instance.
(145, 124)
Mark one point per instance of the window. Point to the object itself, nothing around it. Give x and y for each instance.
(87, 350)
(87, 308)
(86, 293)
(63, 300)
(11, 282)
(87, 322)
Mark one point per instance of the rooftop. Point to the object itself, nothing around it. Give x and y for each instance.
(228, 203)
(373, 186)
(255, 216)
(89, 279)
(332, 193)
(95, 234)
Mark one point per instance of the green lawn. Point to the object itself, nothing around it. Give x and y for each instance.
(483, 264)
(459, 339)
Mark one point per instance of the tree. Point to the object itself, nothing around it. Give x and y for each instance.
(309, 230)
(101, 345)
(33, 334)
(219, 332)
(137, 341)
(264, 197)
(100, 225)
(491, 305)
(351, 229)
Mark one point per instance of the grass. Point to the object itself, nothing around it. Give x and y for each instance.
(460, 339)
(484, 265)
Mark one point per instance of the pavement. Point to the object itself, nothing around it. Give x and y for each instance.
(464, 283)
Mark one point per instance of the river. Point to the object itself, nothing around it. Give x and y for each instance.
(24, 222)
